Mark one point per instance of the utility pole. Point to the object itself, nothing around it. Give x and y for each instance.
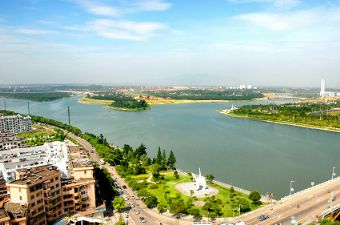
(28, 107)
(68, 113)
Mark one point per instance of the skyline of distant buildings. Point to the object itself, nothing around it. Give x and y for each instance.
(324, 93)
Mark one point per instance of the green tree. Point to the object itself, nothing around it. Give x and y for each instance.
(151, 201)
(161, 207)
(255, 196)
(119, 204)
(176, 174)
(159, 156)
(244, 205)
(210, 178)
(172, 160)
(164, 160)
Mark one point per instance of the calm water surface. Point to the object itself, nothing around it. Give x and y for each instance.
(250, 154)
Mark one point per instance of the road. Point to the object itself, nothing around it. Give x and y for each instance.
(303, 206)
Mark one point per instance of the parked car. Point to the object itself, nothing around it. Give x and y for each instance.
(137, 211)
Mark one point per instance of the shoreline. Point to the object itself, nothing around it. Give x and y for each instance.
(227, 113)
(165, 101)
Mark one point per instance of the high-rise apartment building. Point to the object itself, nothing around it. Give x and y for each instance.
(15, 124)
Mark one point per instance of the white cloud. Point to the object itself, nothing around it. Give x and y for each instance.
(97, 8)
(125, 30)
(275, 3)
(30, 31)
(266, 20)
(153, 5)
(301, 19)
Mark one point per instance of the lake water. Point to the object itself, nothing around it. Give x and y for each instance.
(250, 154)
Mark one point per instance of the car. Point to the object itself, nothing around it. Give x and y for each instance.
(137, 211)
(263, 217)
(142, 219)
(124, 186)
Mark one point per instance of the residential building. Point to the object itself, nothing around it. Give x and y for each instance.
(10, 141)
(38, 188)
(79, 189)
(14, 214)
(54, 153)
(15, 124)
(47, 191)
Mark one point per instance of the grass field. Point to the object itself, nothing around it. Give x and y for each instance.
(166, 189)
(40, 135)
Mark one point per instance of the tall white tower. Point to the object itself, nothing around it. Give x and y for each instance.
(323, 88)
(323, 85)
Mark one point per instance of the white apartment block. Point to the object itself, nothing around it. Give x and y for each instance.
(54, 153)
(15, 124)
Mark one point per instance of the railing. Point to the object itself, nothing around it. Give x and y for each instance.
(328, 211)
(310, 189)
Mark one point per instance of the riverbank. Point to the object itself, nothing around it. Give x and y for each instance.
(94, 101)
(108, 104)
(128, 110)
(163, 101)
(309, 126)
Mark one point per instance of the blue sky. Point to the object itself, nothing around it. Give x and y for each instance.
(179, 42)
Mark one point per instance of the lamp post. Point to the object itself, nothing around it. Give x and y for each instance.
(333, 172)
(291, 189)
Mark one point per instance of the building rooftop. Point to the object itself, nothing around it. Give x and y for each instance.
(3, 214)
(35, 175)
(15, 210)
(78, 157)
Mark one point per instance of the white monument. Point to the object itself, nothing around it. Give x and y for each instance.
(200, 182)
(199, 186)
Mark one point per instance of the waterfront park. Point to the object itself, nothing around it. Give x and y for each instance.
(181, 193)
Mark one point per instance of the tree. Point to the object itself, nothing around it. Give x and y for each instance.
(194, 212)
(176, 206)
(172, 160)
(255, 196)
(192, 193)
(159, 156)
(244, 205)
(119, 204)
(210, 178)
(164, 160)
(176, 174)
(151, 201)
(161, 207)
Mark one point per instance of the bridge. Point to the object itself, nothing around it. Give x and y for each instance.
(332, 213)
(306, 206)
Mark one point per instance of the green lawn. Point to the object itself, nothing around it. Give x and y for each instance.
(165, 189)
(40, 135)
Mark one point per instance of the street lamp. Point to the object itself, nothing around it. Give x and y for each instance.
(291, 189)
(333, 172)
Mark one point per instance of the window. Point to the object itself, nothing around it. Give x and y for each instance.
(19, 189)
(20, 197)
(85, 171)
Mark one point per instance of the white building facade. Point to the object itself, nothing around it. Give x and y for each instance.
(15, 124)
(54, 153)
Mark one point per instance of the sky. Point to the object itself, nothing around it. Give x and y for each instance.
(171, 42)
